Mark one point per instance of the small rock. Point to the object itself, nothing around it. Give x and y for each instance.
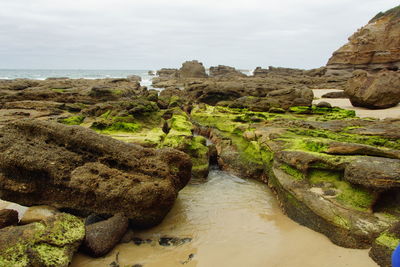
(173, 241)
(101, 237)
(335, 95)
(8, 217)
(324, 104)
(37, 214)
(139, 241)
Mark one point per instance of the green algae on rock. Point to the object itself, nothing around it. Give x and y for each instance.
(384, 246)
(51, 242)
(73, 120)
(287, 151)
(180, 136)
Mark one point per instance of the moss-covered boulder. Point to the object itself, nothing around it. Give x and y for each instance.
(180, 136)
(51, 242)
(43, 163)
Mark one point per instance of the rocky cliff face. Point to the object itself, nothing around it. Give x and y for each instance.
(374, 47)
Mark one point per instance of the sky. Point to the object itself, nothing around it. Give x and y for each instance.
(131, 34)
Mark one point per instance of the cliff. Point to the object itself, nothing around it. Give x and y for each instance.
(374, 47)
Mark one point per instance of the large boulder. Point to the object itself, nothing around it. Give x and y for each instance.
(51, 242)
(373, 47)
(374, 91)
(192, 69)
(43, 163)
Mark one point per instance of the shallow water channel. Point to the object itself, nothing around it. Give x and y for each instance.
(229, 222)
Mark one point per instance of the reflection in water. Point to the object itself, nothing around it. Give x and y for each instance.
(232, 222)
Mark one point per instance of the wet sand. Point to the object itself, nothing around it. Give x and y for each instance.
(393, 112)
(232, 222)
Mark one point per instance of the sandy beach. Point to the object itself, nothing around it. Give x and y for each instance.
(393, 112)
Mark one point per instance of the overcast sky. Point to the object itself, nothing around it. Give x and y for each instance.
(130, 34)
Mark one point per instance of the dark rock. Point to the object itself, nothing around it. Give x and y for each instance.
(335, 95)
(374, 91)
(44, 163)
(139, 241)
(101, 237)
(324, 104)
(173, 241)
(94, 218)
(8, 217)
(51, 242)
(213, 154)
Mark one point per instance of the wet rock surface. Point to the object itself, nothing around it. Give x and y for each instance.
(51, 242)
(76, 168)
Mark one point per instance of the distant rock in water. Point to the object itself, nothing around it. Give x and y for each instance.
(167, 73)
(374, 47)
(43, 163)
(374, 91)
(192, 69)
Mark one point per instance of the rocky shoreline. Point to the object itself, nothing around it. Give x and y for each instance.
(109, 155)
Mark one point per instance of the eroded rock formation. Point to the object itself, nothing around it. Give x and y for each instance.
(375, 46)
(76, 168)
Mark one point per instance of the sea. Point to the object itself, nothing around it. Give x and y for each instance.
(42, 74)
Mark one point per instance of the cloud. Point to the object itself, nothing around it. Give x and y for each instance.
(123, 34)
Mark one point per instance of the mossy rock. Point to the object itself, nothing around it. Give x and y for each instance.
(73, 120)
(51, 242)
(384, 245)
(180, 136)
